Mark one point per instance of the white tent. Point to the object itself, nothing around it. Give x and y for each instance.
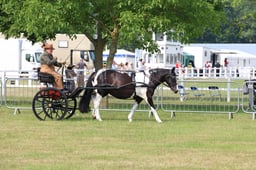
(238, 58)
(121, 56)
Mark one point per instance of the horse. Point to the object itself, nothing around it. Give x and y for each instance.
(122, 85)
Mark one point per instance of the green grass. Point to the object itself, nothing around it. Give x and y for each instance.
(189, 141)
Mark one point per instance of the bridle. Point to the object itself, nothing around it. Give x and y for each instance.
(164, 83)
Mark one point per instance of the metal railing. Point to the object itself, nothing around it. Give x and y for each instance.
(249, 98)
(17, 93)
(203, 96)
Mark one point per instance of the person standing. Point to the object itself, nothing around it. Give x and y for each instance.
(48, 63)
(80, 72)
(225, 62)
(177, 65)
(70, 75)
(217, 65)
(126, 66)
(142, 65)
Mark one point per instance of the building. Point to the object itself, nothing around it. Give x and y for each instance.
(170, 53)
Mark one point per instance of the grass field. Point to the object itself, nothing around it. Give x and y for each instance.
(189, 141)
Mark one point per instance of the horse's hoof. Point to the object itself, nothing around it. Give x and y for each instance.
(130, 120)
(93, 117)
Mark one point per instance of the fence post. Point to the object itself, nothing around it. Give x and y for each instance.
(228, 91)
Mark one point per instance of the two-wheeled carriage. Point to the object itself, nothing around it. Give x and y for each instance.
(56, 104)
(52, 103)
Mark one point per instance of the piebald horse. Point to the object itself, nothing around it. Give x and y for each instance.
(122, 85)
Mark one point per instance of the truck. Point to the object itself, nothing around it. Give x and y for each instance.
(19, 55)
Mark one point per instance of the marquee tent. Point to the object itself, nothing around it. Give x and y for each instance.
(121, 56)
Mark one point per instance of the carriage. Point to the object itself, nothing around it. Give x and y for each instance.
(50, 102)
(56, 104)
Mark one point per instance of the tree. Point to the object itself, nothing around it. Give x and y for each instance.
(239, 26)
(110, 21)
(247, 21)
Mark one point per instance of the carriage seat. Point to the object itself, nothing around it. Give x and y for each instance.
(45, 78)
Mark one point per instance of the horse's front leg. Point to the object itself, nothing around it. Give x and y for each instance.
(96, 104)
(153, 110)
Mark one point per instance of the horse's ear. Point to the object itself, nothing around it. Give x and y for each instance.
(173, 69)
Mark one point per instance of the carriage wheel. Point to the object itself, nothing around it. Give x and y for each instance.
(71, 107)
(50, 103)
(37, 106)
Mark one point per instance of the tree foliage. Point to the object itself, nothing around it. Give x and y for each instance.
(114, 22)
(239, 26)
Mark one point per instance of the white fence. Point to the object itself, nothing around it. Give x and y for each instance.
(222, 72)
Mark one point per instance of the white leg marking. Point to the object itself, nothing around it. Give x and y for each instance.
(96, 104)
(134, 107)
(156, 115)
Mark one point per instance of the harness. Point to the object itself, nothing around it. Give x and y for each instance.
(141, 81)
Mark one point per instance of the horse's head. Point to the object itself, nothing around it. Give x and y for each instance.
(171, 81)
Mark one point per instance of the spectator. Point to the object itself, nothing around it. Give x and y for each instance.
(225, 62)
(217, 66)
(70, 75)
(131, 66)
(208, 66)
(121, 66)
(190, 65)
(126, 66)
(142, 66)
(140, 63)
(177, 65)
(114, 65)
(80, 72)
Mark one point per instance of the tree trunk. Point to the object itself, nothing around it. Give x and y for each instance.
(99, 45)
(113, 46)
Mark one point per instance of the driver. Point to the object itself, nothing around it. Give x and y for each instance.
(47, 65)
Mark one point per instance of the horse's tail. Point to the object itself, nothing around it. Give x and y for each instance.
(86, 98)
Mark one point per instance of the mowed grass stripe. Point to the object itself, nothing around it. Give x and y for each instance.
(189, 141)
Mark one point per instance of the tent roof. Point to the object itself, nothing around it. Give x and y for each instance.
(119, 52)
(187, 54)
(237, 53)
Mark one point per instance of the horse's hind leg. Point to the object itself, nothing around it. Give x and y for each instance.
(96, 104)
(134, 107)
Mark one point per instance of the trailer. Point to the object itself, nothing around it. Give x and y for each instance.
(19, 55)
